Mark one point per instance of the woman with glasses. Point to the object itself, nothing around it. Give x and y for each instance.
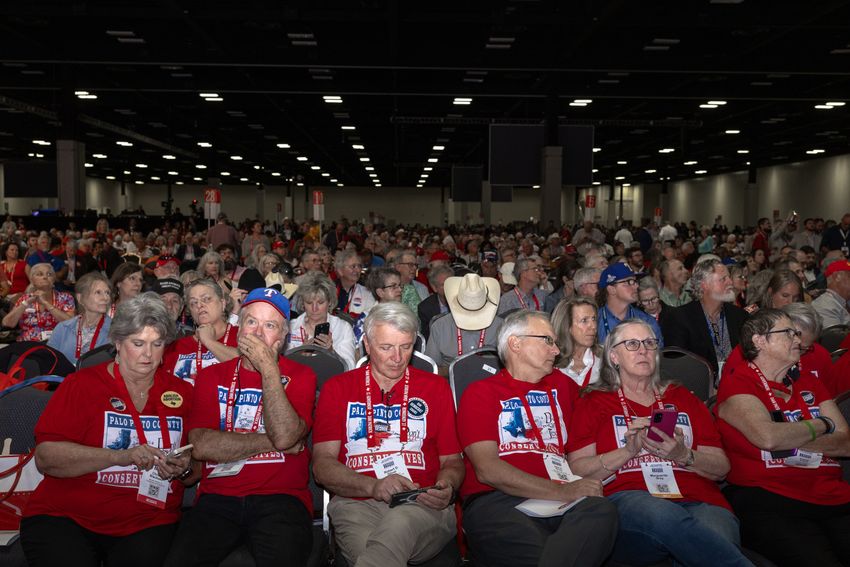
(39, 310)
(738, 273)
(385, 285)
(574, 321)
(783, 431)
(215, 338)
(649, 297)
(664, 486)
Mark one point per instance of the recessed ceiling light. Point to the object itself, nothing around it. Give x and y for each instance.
(364, 159)
(99, 156)
(315, 167)
(732, 132)
(419, 185)
(348, 128)
(717, 102)
(427, 169)
(173, 173)
(743, 151)
(438, 148)
(378, 185)
(369, 168)
(373, 175)
(140, 182)
(236, 158)
(666, 150)
(200, 166)
(824, 107)
(141, 165)
(433, 160)
(197, 178)
(110, 177)
(708, 106)
(619, 178)
(127, 172)
(209, 95)
(333, 99)
(358, 146)
(595, 170)
(597, 183)
(627, 184)
(622, 162)
(283, 146)
(154, 178)
(835, 104)
(88, 164)
(597, 150)
(690, 163)
(243, 179)
(204, 144)
(325, 174)
(650, 171)
(700, 171)
(169, 156)
(224, 173)
(178, 183)
(334, 180)
(275, 174)
(462, 101)
(41, 142)
(124, 144)
(815, 151)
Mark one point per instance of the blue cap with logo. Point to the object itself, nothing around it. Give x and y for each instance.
(616, 272)
(271, 296)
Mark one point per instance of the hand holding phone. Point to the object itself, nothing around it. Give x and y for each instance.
(408, 496)
(322, 329)
(664, 420)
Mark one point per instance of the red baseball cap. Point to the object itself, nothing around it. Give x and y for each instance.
(440, 255)
(838, 266)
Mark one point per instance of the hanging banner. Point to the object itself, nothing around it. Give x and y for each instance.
(657, 215)
(212, 203)
(318, 206)
(589, 207)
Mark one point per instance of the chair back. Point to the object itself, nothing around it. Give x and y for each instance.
(836, 354)
(99, 355)
(419, 345)
(688, 369)
(324, 363)
(21, 406)
(832, 337)
(470, 367)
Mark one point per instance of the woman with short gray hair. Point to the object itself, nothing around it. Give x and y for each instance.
(315, 297)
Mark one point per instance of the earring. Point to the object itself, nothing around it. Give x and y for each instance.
(617, 367)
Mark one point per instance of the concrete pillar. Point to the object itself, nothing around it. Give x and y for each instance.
(551, 189)
(486, 202)
(71, 175)
(262, 214)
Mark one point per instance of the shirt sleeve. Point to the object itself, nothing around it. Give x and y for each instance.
(329, 422)
(447, 441)
(586, 424)
(68, 413)
(477, 414)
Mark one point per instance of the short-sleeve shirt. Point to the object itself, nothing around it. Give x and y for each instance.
(442, 341)
(341, 416)
(752, 466)
(181, 358)
(599, 419)
(88, 409)
(266, 473)
(516, 299)
(491, 410)
(36, 319)
(607, 321)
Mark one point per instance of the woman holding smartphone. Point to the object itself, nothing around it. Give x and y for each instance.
(314, 298)
(663, 483)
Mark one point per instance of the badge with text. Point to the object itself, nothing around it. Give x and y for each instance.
(171, 399)
(660, 480)
(153, 489)
(391, 464)
(227, 469)
(558, 468)
(804, 460)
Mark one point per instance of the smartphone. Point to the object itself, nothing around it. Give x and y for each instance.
(663, 419)
(179, 451)
(408, 496)
(323, 329)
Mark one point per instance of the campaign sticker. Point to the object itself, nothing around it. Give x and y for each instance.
(118, 404)
(285, 380)
(171, 399)
(808, 397)
(417, 407)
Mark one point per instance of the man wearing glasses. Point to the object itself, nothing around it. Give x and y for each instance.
(527, 293)
(354, 298)
(512, 427)
(618, 288)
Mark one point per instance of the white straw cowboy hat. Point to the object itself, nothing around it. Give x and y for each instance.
(473, 300)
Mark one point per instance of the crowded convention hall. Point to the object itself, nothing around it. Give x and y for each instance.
(281, 289)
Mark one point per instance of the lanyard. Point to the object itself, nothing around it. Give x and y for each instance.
(625, 406)
(42, 322)
(717, 337)
(137, 421)
(460, 341)
(535, 429)
(349, 294)
(605, 317)
(522, 301)
(373, 439)
(199, 356)
(231, 403)
(79, 350)
(586, 380)
(804, 409)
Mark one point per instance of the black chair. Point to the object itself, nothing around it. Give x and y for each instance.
(836, 354)
(688, 369)
(324, 363)
(843, 402)
(419, 345)
(99, 355)
(832, 337)
(472, 366)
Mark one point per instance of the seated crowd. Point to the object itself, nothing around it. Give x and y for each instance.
(574, 451)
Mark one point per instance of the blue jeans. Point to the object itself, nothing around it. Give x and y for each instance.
(691, 533)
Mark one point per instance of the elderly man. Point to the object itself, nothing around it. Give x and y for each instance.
(249, 421)
(710, 326)
(171, 292)
(526, 294)
(166, 267)
(513, 431)
(586, 282)
(435, 305)
(412, 291)
(618, 290)
(393, 435)
(353, 298)
(310, 262)
(587, 237)
(674, 276)
(832, 304)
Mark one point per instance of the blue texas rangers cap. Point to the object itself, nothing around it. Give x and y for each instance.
(616, 272)
(271, 296)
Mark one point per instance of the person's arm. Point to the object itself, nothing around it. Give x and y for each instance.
(227, 446)
(65, 459)
(586, 462)
(13, 317)
(206, 335)
(448, 481)
(748, 415)
(343, 481)
(492, 470)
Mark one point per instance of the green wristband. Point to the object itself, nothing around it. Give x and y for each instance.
(811, 429)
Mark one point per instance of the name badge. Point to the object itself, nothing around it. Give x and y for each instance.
(558, 468)
(45, 335)
(153, 489)
(804, 460)
(227, 469)
(660, 480)
(392, 464)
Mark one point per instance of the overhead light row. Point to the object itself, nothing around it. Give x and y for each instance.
(713, 104)
(85, 95)
(829, 105)
(211, 97)
(581, 102)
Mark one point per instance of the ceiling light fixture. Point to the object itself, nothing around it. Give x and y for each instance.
(348, 128)
(236, 158)
(284, 146)
(666, 150)
(462, 101)
(700, 172)
(168, 156)
(204, 144)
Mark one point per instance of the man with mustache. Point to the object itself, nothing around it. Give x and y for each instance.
(711, 326)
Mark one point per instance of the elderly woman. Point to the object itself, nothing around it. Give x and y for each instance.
(76, 336)
(254, 260)
(663, 485)
(112, 489)
(39, 310)
(314, 298)
(581, 356)
(214, 340)
(211, 265)
(649, 297)
(13, 278)
(782, 431)
(126, 281)
(268, 263)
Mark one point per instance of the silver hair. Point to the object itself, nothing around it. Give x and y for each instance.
(514, 325)
(804, 315)
(144, 310)
(438, 270)
(313, 284)
(521, 265)
(585, 276)
(219, 293)
(393, 313)
(344, 256)
(701, 273)
(647, 283)
(211, 256)
(609, 374)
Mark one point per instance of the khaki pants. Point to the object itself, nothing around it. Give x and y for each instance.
(371, 534)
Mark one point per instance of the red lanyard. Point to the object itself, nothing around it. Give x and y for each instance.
(804, 409)
(39, 321)
(535, 429)
(199, 356)
(372, 439)
(350, 293)
(586, 380)
(137, 421)
(460, 341)
(522, 301)
(625, 407)
(231, 404)
(79, 350)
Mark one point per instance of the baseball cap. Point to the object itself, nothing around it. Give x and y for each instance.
(168, 285)
(271, 296)
(163, 260)
(838, 266)
(440, 255)
(616, 272)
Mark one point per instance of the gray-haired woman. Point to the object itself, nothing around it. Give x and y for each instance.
(211, 265)
(89, 330)
(112, 488)
(314, 298)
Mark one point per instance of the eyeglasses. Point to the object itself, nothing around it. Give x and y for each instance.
(353, 266)
(550, 341)
(629, 282)
(649, 300)
(634, 344)
(411, 264)
(391, 286)
(535, 269)
(790, 333)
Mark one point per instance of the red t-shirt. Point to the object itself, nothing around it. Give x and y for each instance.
(753, 467)
(817, 361)
(181, 357)
(491, 410)
(838, 377)
(341, 416)
(599, 419)
(266, 473)
(88, 409)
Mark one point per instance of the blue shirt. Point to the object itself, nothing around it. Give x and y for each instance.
(606, 321)
(64, 338)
